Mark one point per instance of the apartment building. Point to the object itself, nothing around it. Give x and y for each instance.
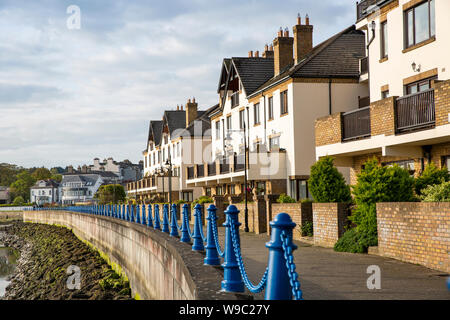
(79, 187)
(407, 68)
(175, 142)
(269, 103)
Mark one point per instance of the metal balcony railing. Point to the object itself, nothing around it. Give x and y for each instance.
(361, 8)
(190, 172)
(224, 166)
(415, 111)
(239, 162)
(356, 124)
(200, 170)
(211, 169)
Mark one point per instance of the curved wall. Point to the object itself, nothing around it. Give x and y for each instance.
(158, 266)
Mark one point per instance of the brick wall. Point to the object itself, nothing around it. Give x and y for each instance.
(442, 102)
(328, 129)
(251, 215)
(299, 212)
(382, 117)
(329, 220)
(415, 232)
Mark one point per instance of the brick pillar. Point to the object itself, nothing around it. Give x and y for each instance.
(269, 198)
(220, 205)
(329, 221)
(260, 225)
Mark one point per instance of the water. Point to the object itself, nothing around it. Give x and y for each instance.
(8, 262)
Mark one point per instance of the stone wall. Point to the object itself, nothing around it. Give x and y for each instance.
(415, 232)
(158, 266)
(14, 215)
(329, 220)
(299, 212)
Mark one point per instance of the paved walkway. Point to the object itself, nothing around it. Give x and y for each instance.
(326, 274)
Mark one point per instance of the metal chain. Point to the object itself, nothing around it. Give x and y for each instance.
(290, 265)
(237, 251)
(216, 236)
(187, 225)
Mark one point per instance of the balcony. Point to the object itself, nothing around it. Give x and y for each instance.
(239, 162)
(190, 172)
(362, 6)
(200, 170)
(224, 166)
(356, 124)
(211, 169)
(415, 111)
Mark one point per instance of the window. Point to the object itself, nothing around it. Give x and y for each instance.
(219, 191)
(270, 108)
(178, 149)
(384, 40)
(283, 102)
(261, 188)
(256, 113)
(229, 123)
(257, 146)
(166, 139)
(274, 143)
(446, 162)
(419, 23)
(235, 99)
(385, 94)
(217, 130)
(145, 161)
(208, 192)
(242, 119)
(405, 164)
(299, 189)
(419, 86)
(231, 189)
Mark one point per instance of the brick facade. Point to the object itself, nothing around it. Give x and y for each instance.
(415, 232)
(382, 119)
(299, 212)
(329, 220)
(442, 102)
(328, 129)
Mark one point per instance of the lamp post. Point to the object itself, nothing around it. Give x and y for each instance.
(169, 166)
(161, 170)
(228, 139)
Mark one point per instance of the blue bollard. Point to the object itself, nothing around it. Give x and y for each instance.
(197, 244)
(138, 214)
(173, 222)
(144, 220)
(149, 216)
(278, 282)
(184, 227)
(133, 211)
(127, 215)
(232, 279)
(212, 257)
(165, 224)
(157, 221)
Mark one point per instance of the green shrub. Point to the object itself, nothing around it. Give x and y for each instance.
(284, 198)
(437, 193)
(431, 176)
(326, 183)
(203, 200)
(355, 241)
(307, 229)
(18, 201)
(181, 201)
(375, 184)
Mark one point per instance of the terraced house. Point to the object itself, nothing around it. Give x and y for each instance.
(407, 68)
(269, 104)
(173, 143)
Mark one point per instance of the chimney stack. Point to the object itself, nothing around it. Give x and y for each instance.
(303, 39)
(191, 111)
(250, 54)
(282, 47)
(268, 51)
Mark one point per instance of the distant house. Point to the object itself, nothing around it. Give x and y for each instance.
(79, 188)
(4, 195)
(44, 191)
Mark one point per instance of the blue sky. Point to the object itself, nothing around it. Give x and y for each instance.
(68, 96)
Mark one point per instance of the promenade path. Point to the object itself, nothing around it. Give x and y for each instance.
(326, 274)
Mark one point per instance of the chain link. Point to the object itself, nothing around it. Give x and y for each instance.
(290, 265)
(237, 251)
(216, 236)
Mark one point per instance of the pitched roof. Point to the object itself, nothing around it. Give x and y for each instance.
(336, 57)
(155, 129)
(203, 121)
(175, 119)
(253, 72)
(47, 184)
(86, 178)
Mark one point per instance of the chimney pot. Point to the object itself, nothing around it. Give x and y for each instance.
(271, 48)
(307, 20)
(250, 54)
(178, 107)
(191, 112)
(286, 33)
(280, 32)
(299, 19)
(193, 99)
(256, 54)
(303, 40)
(181, 107)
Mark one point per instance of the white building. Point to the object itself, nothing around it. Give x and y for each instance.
(278, 97)
(407, 67)
(44, 191)
(79, 188)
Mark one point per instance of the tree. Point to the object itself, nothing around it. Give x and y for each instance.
(111, 193)
(326, 183)
(57, 177)
(41, 174)
(8, 173)
(21, 187)
(18, 201)
(431, 176)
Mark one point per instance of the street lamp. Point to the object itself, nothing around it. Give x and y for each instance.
(161, 171)
(169, 166)
(229, 139)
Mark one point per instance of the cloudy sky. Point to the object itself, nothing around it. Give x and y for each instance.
(70, 95)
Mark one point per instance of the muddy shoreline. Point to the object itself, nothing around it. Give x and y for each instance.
(46, 253)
